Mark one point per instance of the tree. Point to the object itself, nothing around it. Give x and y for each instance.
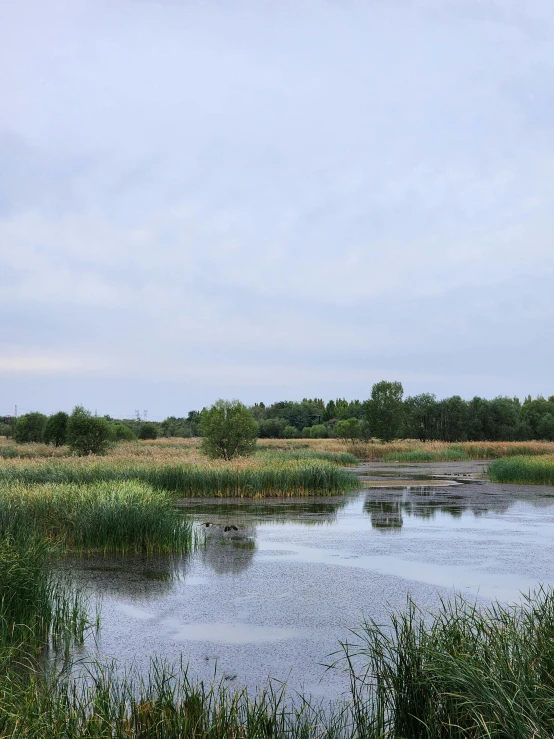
(319, 431)
(272, 428)
(55, 430)
(290, 432)
(420, 417)
(147, 431)
(349, 430)
(385, 410)
(29, 427)
(88, 434)
(122, 432)
(229, 430)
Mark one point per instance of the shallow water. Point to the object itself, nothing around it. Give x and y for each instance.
(274, 597)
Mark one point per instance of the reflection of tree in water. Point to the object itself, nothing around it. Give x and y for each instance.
(387, 508)
(386, 516)
(231, 555)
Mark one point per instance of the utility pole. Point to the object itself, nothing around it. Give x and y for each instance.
(146, 415)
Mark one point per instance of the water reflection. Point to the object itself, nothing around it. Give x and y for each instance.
(387, 507)
(229, 555)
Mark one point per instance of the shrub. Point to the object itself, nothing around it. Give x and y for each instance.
(272, 428)
(122, 432)
(319, 431)
(147, 431)
(306, 432)
(229, 430)
(87, 434)
(350, 430)
(290, 432)
(29, 427)
(55, 430)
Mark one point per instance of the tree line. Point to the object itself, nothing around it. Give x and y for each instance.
(385, 415)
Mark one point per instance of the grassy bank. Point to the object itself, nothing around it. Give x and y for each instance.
(439, 451)
(119, 517)
(461, 673)
(525, 470)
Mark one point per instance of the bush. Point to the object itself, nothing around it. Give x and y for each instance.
(55, 430)
(122, 432)
(290, 432)
(29, 427)
(350, 430)
(5, 430)
(306, 432)
(319, 431)
(87, 434)
(147, 431)
(272, 428)
(229, 430)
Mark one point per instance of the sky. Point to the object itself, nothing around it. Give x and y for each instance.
(274, 200)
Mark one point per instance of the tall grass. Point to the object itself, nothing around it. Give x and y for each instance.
(525, 470)
(462, 672)
(275, 477)
(37, 609)
(412, 451)
(126, 516)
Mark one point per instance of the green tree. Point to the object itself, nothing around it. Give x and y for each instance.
(29, 427)
(88, 434)
(290, 432)
(229, 430)
(385, 410)
(122, 432)
(148, 431)
(55, 430)
(272, 428)
(420, 417)
(349, 430)
(319, 431)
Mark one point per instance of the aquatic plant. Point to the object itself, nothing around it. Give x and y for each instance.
(525, 470)
(123, 516)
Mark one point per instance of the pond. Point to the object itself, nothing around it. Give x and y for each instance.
(273, 594)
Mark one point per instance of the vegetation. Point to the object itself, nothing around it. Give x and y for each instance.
(525, 470)
(87, 434)
(460, 673)
(29, 428)
(126, 516)
(229, 430)
(55, 429)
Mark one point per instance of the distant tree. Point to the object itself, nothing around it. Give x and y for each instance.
(453, 419)
(29, 428)
(319, 431)
(349, 430)
(272, 428)
(229, 430)
(290, 432)
(5, 430)
(122, 432)
(55, 429)
(385, 410)
(306, 432)
(545, 428)
(87, 434)
(420, 417)
(147, 431)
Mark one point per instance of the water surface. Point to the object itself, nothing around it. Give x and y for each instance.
(273, 597)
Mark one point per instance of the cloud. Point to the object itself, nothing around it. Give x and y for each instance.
(222, 194)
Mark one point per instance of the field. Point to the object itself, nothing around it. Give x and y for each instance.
(524, 470)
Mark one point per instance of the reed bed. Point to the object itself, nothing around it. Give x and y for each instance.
(37, 609)
(120, 517)
(524, 470)
(241, 478)
(460, 673)
(440, 451)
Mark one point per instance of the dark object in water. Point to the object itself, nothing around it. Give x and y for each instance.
(231, 528)
(208, 524)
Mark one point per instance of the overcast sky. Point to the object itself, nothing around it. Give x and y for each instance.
(274, 199)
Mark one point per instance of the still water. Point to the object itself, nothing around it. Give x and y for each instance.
(273, 595)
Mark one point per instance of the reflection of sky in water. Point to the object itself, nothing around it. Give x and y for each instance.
(274, 597)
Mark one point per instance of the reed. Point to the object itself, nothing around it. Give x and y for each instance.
(273, 476)
(120, 517)
(412, 451)
(37, 608)
(524, 470)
